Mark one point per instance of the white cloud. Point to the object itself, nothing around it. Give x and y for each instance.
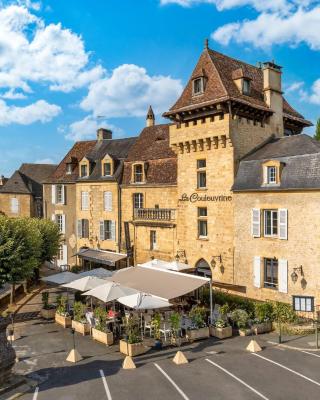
(294, 87)
(13, 95)
(128, 91)
(33, 52)
(38, 111)
(87, 129)
(315, 95)
(298, 26)
(45, 161)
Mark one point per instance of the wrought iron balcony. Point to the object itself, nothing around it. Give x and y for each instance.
(154, 214)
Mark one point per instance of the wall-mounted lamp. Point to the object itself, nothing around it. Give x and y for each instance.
(294, 275)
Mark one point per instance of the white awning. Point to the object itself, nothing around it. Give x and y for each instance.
(143, 301)
(98, 272)
(85, 283)
(165, 284)
(166, 265)
(61, 278)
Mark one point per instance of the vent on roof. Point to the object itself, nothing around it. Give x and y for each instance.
(159, 138)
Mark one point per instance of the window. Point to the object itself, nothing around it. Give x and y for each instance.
(246, 86)
(106, 169)
(83, 170)
(202, 222)
(271, 175)
(105, 230)
(84, 201)
(201, 174)
(59, 222)
(60, 253)
(69, 169)
(138, 200)
(153, 240)
(303, 303)
(270, 273)
(198, 86)
(14, 204)
(270, 222)
(60, 194)
(107, 201)
(83, 228)
(138, 173)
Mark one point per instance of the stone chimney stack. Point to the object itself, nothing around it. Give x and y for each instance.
(272, 89)
(150, 119)
(103, 134)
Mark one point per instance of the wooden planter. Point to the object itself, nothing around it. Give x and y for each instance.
(62, 320)
(245, 332)
(133, 349)
(79, 327)
(102, 337)
(221, 333)
(48, 314)
(196, 334)
(264, 327)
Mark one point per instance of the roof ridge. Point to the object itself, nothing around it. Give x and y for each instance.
(235, 59)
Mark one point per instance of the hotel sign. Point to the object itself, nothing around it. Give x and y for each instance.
(195, 197)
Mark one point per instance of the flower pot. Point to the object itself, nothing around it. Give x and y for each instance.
(48, 313)
(263, 327)
(62, 320)
(196, 334)
(83, 328)
(102, 337)
(245, 332)
(221, 333)
(132, 349)
(158, 344)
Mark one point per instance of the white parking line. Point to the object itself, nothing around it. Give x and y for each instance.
(35, 394)
(105, 384)
(288, 369)
(238, 379)
(311, 354)
(172, 382)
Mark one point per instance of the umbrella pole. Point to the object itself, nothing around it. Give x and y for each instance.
(211, 302)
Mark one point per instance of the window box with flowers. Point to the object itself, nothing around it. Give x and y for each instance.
(221, 329)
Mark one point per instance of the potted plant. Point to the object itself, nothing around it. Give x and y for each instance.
(100, 332)
(199, 329)
(175, 321)
(79, 322)
(132, 344)
(241, 319)
(62, 317)
(221, 329)
(47, 311)
(155, 323)
(263, 318)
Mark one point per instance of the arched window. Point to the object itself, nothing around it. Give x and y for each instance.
(203, 268)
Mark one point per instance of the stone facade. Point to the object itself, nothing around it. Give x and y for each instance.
(26, 206)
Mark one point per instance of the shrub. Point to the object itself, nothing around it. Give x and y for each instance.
(175, 321)
(283, 313)
(263, 311)
(132, 330)
(234, 302)
(240, 318)
(79, 311)
(198, 316)
(76, 269)
(155, 323)
(62, 305)
(221, 323)
(101, 315)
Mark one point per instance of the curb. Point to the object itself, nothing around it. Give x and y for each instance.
(18, 389)
(286, 346)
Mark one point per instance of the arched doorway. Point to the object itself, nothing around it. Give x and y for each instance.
(203, 269)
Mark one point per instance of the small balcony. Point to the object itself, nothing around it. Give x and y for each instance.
(154, 214)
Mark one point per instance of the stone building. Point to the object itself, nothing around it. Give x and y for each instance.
(22, 194)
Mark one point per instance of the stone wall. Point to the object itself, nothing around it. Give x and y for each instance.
(26, 205)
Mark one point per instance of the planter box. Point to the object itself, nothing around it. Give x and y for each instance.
(264, 327)
(245, 332)
(102, 337)
(64, 321)
(48, 314)
(221, 333)
(132, 350)
(79, 327)
(196, 334)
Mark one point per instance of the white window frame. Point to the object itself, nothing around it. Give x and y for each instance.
(59, 197)
(201, 90)
(267, 285)
(202, 218)
(84, 201)
(103, 166)
(135, 174)
(271, 175)
(200, 171)
(272, 226)
(153, 240)
(14, 205)
(139, 202)
(246, 86)
(86, 170)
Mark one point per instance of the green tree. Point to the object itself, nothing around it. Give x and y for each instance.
(20, 250)
(317, 134)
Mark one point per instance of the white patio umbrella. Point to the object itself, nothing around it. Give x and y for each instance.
(110, 291)
(166, 265)
(143, 301)
(85, 283)
(60, 278)
(98, 272)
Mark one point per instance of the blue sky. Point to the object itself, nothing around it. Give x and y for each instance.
(67, 67)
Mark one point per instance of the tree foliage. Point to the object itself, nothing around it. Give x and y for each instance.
(317, 134)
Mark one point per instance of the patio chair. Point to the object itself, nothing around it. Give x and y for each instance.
(147, 324)
(165, 329)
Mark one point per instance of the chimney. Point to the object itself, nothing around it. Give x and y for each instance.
(150, 118)
(272, 89)
(103, 134)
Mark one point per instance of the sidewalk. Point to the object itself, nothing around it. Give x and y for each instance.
(306, 343)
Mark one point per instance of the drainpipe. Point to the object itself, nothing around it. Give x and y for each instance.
(119, 219)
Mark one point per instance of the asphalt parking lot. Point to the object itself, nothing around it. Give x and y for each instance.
(217, 370)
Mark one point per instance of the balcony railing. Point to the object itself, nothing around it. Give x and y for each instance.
(154, 214)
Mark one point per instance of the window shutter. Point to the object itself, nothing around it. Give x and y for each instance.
(265, 175)
(257, 272)
(283, 276)
(53, 194)
(113, 230)
(108, 201)
(80, 228)
(63, 194)
(283, 223)
(63, 224)
(53, 217)
(84, 201)
(65, 253)
(101, 227)
(255, 222)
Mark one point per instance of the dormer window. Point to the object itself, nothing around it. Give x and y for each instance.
(198, 86)
(271, 175)
(69, 169)
(272, 171)
(246, 86)
(106, 169)
(83, 170)
(138, 173)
